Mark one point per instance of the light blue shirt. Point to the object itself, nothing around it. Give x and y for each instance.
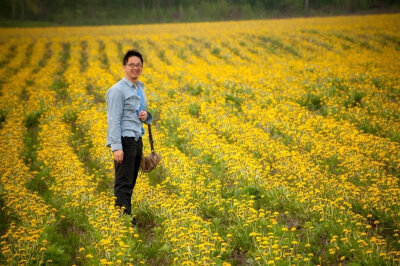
(124, 101)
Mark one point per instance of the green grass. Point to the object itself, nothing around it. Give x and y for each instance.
(6, 218)
(10, 55)
(233, 101)
(312, 31)
(163, 57)
(194, 90)
(45, 57)
(240, 238)
(208, 212)
(320, 43)
(194, 109)
(103, 55)
(66, 236)
(332, 165)
(82, 146)
(174, 138)
(354, 99)
(182, 54)
(314, 103)
(70, 117)
(64, 56)
(275, 46)
(218, 167)
(367, 126)
(171, 93)
(156, 114)
(237, 257)
(345, 46)
(31, 123)
(276, 133)
(72, 231)
(28, 53)
(98, 98)
(193, 48)
(269, 43)
(3, 116)
(378, 82)
(121, 53)
(216, 51)
(60, 87)
(394, 136)
(83, 61)
(236, 51)
(393, 39)
(41, 182)
(154, 250)
(24, 95)
(158, 175)
(146, 217)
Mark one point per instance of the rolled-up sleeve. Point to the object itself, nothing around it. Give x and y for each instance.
(149, 118)
(115, 106)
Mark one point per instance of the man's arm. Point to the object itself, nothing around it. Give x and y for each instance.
(149, 119)
(145, 117)
(115, 106)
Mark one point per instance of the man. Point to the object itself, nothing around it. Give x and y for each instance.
(126, 113)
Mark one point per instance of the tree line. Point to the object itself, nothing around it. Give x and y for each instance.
(139, 11)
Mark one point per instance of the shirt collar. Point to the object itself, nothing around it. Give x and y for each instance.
(127, 81)
(130, 83)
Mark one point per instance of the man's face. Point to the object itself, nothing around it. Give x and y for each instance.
(133, 68)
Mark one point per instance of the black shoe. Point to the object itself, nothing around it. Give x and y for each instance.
(133, 222)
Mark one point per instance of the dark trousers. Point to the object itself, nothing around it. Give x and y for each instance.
(126, 172)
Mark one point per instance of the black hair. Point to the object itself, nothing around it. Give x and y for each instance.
(132, 53)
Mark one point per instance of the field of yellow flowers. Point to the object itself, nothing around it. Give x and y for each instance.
(280, 142)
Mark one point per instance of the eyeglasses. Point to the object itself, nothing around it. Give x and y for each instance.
(132, 65)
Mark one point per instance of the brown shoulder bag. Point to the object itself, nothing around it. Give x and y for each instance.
(149, 162)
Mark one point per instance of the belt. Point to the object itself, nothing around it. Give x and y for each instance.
(135, 138)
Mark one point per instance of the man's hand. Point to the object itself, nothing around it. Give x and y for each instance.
(118, 156)
(142, 115)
